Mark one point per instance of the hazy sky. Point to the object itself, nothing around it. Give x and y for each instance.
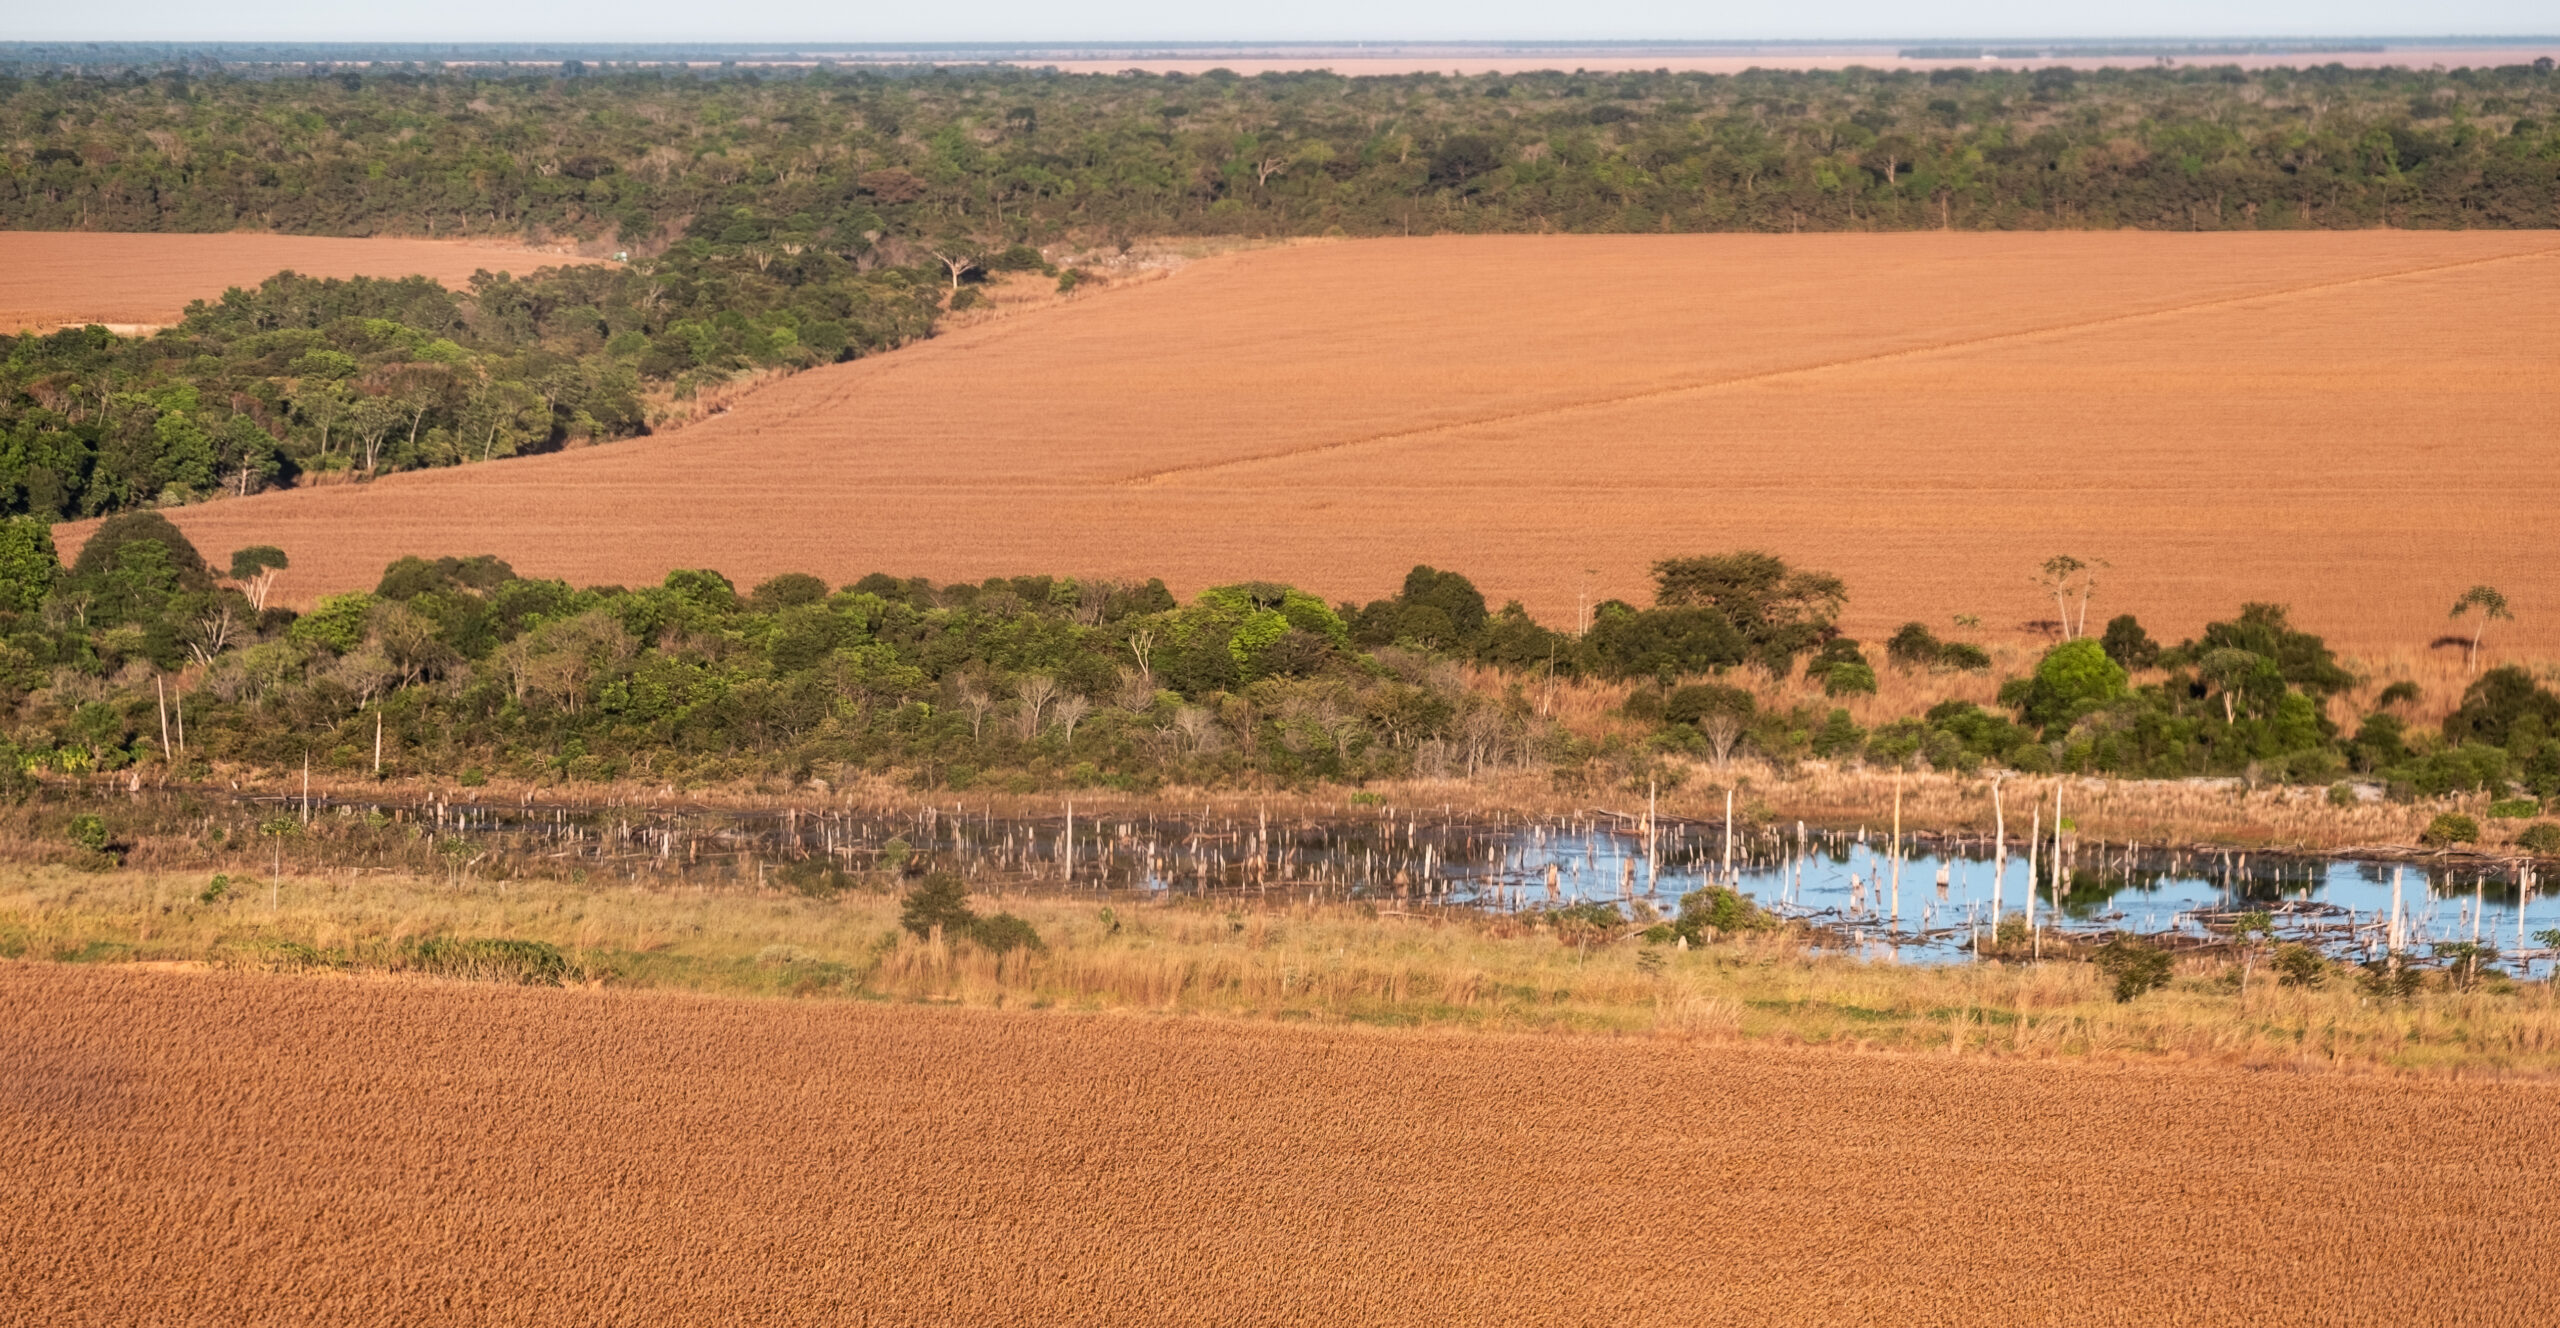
(1170, 20)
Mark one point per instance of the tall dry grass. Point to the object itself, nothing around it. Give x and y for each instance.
(1293, 961)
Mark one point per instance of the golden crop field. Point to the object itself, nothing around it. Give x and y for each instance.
(2353, 423)
(207, 1148)
(50, 279)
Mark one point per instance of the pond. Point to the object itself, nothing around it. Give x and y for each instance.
(1930, 907)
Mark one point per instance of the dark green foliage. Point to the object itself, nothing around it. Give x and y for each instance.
(1003, 932)
(2403, 692)
(2134, 966)
(2300, 966)
(2450, 828)
(1435, 610)
(1839, 735)
(29, 565)
(1700, 702)
(939, 900)
(497, 959)
(2128, 645)
(2301, 659)
(1914, 646)
(2497, 702)
(1842, 668)
(1625, 642)
(2541, 839)
(249, 562)
(89, 831)
(1709, 913)
(1776, 610)
(2071, 681)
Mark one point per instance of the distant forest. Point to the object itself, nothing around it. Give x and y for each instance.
(853, 162)
(774, 221)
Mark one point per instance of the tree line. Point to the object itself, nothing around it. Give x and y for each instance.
(144, 654)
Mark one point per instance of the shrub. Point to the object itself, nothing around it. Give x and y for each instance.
(2343, 794)
(1853, 676)
(2128, 645)
(497, 959)
(2450, 828)
(2542, 839)
(2514, 809)
(1004, 932)
(1964, 657)
(2300, 966)
(215, 890)
(2071, 680)
(937, 901)
(1723, 908)
(1914, 647)
(90, 832)
(2136, 967)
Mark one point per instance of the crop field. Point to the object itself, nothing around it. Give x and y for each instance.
(50, 279)
(2349, 422)
(212, 1148)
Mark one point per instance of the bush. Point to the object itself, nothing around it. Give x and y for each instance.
(2514, 809)
(1720, 907)
(1964, 657)
(2136, 967)
(2300, 966)
(524, 963)
(2450, 828)
(1004, 933)
(937, 901)
(2542, 839)
(89, 832)
(2128, 645)
(1853, 676)
(2343, 794)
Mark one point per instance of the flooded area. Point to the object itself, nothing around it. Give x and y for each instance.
(1931, 902)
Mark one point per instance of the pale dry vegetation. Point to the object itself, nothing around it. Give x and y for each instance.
(1282, 955)
(224, 1148)
(2222, 417)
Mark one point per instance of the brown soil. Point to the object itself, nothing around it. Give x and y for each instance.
(51, 279)
(2350, 422)
(205, 1148)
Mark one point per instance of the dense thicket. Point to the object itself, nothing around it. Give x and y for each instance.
(780, 221)
(143, 652)
(368, 375)
(855, 163)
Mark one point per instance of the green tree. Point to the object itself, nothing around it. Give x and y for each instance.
(2493, 608)
(28, 564)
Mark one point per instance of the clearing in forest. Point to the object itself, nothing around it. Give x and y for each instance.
(131, 283)
(2349, 422)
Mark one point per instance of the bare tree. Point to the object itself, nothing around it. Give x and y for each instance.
(2492, 606)
(210, 632)
(977, 701)
(2071, 582)
(1069, 712)
(1142, 647)
(1036, 691)
(1137, 694)
(1723, 729)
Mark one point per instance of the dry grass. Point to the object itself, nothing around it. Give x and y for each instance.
(136, 282)
(1282, 956)
(2222, 417)
(229, 1148)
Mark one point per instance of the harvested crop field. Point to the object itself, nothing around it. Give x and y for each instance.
(51, 279)
(2349, 422)
(203, 1148)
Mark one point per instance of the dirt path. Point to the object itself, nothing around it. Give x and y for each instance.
(223, 1149)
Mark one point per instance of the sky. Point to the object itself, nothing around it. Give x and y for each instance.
(809, 21)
